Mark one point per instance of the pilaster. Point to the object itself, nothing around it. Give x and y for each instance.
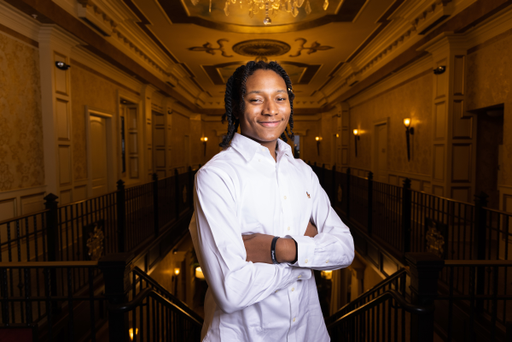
(56, 45)
(454, 140)
(147, 157)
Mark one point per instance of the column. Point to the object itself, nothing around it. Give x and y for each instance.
(454, 131)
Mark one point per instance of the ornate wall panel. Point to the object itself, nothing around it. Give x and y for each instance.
(21, 138)
(461, 163)
(439, 165)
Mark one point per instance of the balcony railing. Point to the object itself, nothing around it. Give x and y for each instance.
(405, 220)
(120, 219)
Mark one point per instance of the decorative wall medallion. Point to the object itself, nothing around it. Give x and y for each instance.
(95, 241)
(208, 48)
(184, 194)
(435, 238)
(316, 46)
(261, 48)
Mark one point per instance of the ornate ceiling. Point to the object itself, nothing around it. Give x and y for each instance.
(188, 52)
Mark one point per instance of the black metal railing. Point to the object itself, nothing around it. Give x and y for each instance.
(154, 314)
(476, 295)
(121, 219)
(403, 219)
(53, 301)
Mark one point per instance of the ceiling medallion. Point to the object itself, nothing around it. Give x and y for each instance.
(261, 48)
(271, 7)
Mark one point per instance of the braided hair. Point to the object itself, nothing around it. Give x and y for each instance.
(235, 92)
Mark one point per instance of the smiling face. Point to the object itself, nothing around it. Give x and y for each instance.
(267, 108)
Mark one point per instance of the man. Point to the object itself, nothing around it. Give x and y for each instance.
(262, 222)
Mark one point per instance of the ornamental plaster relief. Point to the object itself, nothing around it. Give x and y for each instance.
(21, 138)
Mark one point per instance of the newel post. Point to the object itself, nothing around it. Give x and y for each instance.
(121, 216)
(116, 270)
(347, 193)
(406, 215)
(370, 203)
(155, 204)
(52, 226)
(424, 270)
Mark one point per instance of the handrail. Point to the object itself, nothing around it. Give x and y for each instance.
(148, 292)
(156, 285)
(421, 310)
(79, 263)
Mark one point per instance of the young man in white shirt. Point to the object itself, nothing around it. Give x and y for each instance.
(262, 221)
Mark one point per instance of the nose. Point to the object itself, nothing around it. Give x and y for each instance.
(271, 108)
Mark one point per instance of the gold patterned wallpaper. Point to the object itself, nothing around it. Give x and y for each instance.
(21, 127)
(489, 77)
(412, 99)
(96, 92)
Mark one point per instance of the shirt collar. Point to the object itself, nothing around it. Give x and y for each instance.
(248, 147)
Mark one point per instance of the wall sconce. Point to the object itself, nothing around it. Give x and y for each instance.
(356, 138)
(199, 273)
(408, 131)
(318, 139)
(131, 332)
(440, 70)
(204, 140)
(62, 66)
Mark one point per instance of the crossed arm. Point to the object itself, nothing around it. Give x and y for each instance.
(258, 246)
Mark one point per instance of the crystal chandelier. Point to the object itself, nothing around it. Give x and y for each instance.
(269, 6)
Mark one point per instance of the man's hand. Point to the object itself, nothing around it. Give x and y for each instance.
(311, 230)
(257, 246)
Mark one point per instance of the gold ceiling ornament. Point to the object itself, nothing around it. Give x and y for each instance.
(269, 6)
(261, 48)
(316, 46)
(208, 48)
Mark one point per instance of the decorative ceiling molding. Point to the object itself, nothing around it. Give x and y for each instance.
(261, 48)
(208, 48)
(316, 46)
(178, 14)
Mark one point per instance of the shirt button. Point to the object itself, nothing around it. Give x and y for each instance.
(300, 276)
(294, 319)
(293, 289)
(284, 197)
(327, 262)
(288, 228)
(306, 261)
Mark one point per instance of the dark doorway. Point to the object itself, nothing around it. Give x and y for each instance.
(489, 142)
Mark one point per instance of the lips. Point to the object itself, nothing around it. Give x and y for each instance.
(269, 123)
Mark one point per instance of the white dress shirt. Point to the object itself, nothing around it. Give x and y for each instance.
(243, 190)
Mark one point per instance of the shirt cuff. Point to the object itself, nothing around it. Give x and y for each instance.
(305, 250)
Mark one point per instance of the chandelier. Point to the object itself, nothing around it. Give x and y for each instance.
(269, 6)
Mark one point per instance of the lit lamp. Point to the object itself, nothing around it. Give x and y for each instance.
(318, 139)
(199, 273)
(408, 130)
(204, 140)
(132, 334)
(356, 138)
(175, 280)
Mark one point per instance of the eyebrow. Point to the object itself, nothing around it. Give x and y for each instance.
(261, 91)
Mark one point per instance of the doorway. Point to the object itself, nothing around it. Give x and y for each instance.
(101, 168)
(381, 152)
(489, 145)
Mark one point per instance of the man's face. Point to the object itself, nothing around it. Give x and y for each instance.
(267, 107)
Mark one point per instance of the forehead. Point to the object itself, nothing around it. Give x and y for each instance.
(262, 79)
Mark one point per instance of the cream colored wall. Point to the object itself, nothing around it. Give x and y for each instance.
(412, 99)
(95, 92)
(21, 132)
(312, 127)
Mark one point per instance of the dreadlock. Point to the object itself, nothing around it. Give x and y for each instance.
(235, 92)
